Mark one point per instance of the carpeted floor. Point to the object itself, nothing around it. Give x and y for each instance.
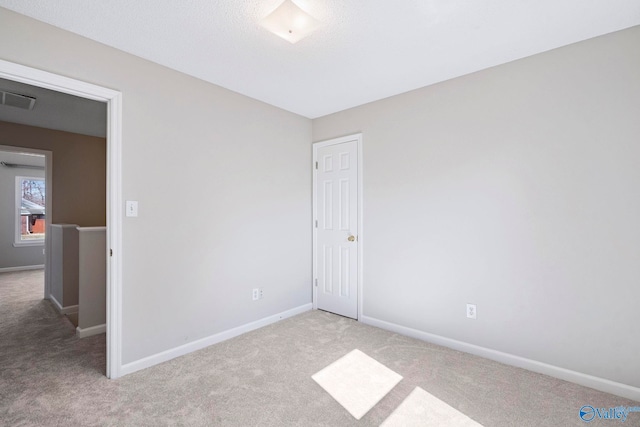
(48, 377)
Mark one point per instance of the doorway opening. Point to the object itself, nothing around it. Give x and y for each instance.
(113, 99)
(25, 190)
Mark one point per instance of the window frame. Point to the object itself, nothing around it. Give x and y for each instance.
(17, 240)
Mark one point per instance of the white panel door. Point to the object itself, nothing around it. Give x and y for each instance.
(337, 227)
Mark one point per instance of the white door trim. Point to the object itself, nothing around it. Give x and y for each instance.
(35, 77)
(316, 145)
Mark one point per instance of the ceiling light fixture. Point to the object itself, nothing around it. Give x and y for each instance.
(290, 22)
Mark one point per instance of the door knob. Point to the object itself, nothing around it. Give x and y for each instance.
(351, 238)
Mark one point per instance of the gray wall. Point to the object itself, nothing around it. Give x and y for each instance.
(64, 266)
(11, 256)
(514, 188)
(223, 184)
(92, 277)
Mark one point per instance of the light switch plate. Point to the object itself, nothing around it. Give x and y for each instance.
(132, 208)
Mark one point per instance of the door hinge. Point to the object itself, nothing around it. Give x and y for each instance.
(316, 223)
(110, 252)
(316, 165)
(316, 283)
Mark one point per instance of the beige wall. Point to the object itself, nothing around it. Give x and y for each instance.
(223, 185)
(515, 188)
(79, 171)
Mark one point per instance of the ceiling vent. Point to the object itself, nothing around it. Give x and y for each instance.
(16, 100)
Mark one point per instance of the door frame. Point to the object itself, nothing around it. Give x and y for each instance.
(357, 137)
(48, 203)
(113, 99)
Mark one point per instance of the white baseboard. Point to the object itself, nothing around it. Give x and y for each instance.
(586, 380)
(92, 330)
(21, 268)
(70, 309)
(207, 341)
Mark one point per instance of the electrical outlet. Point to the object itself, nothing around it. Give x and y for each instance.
(471, 311)
(256, 294)
(260, 293)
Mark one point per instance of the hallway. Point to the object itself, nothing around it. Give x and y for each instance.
(39, 350)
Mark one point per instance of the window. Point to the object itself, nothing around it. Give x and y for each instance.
(30, 211)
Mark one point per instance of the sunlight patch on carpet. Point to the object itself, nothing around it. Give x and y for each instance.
(357, 382)
(423, 409)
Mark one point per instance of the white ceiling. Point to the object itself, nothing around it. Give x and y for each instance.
(55, 110)
(366, 50)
